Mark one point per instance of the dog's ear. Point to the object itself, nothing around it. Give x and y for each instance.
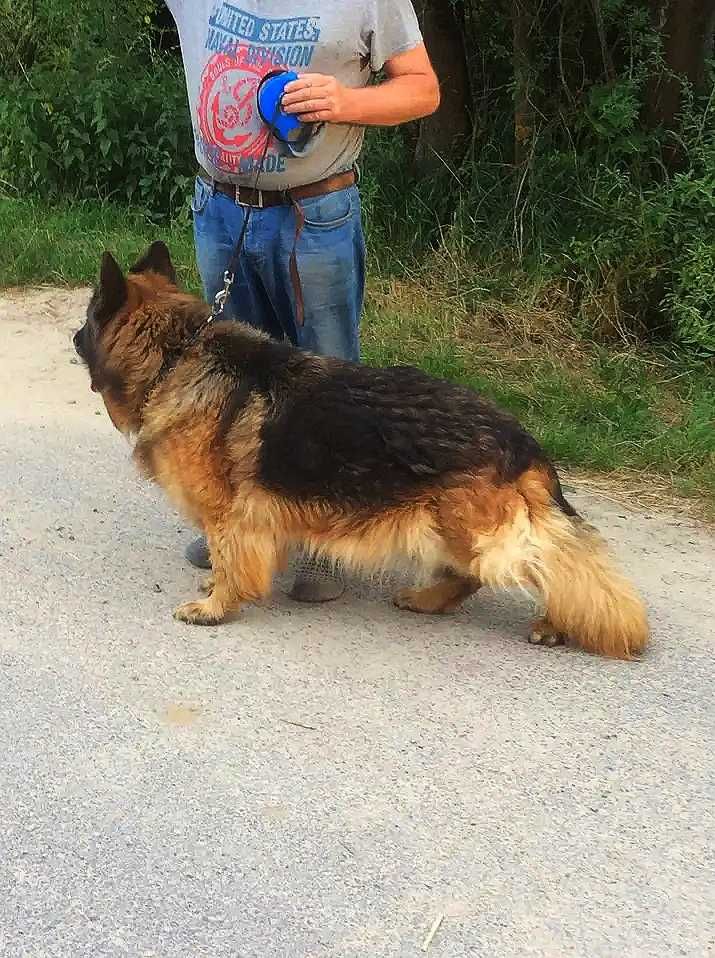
(157, 259)
(111, 294)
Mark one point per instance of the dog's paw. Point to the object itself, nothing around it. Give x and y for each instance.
(198, 613)
(547, 640)
(404, 599)
(412, 600)
(207, 585)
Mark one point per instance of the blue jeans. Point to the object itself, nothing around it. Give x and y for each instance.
(331, 265)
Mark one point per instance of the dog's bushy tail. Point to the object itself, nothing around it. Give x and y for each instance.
(566, 561)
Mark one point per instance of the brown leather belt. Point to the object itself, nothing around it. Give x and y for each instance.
(260, 199)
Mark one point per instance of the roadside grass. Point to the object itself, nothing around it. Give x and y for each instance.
(63, 245)
(622, 410)
(628, 410)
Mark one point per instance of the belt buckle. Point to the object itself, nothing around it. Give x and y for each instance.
(258, 205)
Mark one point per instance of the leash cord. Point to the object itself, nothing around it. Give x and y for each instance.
(229, 276)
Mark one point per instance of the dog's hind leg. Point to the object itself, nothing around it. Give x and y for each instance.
(444, 595)
(244, 562)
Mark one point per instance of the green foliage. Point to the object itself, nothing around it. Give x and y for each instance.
(53, 32)
(62, 245)
(649, 238)
(616, 212)
(691, 299)
(94, 119)
(66, 137)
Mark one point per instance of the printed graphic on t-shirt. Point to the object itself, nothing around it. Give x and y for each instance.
(242, 49)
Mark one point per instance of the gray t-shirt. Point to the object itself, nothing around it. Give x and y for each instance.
(228, 48)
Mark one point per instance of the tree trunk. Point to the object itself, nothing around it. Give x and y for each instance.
(686, 27)
(443, 137)
(523, 112)
(608, 68)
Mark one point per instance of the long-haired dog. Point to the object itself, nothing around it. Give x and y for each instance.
(267, 448)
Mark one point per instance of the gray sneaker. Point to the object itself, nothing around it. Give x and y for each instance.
(197, 553)
(316, 580)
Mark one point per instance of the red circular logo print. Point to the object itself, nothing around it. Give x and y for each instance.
(228, 111)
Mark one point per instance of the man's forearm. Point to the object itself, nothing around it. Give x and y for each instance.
(394, 101)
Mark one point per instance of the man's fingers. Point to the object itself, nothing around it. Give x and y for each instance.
(313, 105)
(321, 116)
(313, 81)
(296, 89)
(300, 96)
(311, 98)
(307, 93)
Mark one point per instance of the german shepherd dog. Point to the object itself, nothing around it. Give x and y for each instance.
(267, 448)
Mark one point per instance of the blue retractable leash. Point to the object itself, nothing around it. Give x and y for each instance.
(287, 129)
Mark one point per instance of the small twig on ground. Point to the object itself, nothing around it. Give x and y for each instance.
(432, 932)
(310, 728)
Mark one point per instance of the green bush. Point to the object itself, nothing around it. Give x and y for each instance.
(88, 108)
(628, 243)
(54, 32)
(648, 238)
(108, 138)
(692, 297)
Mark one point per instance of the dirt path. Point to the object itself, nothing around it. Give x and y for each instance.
(322, 782)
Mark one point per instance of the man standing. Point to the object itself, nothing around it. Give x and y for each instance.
(302, 270)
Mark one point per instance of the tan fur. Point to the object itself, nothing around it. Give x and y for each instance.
(527, 543)
(505, 535)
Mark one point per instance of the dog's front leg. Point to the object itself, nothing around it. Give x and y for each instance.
(244, 562)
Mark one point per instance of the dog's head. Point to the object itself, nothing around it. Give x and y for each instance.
(108, 344)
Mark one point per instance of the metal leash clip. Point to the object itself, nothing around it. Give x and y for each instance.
(222, 295)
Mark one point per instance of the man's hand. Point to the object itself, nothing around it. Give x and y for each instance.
(316, 98)
(410, 91)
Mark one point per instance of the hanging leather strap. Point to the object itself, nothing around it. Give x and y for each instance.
(293, 266)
